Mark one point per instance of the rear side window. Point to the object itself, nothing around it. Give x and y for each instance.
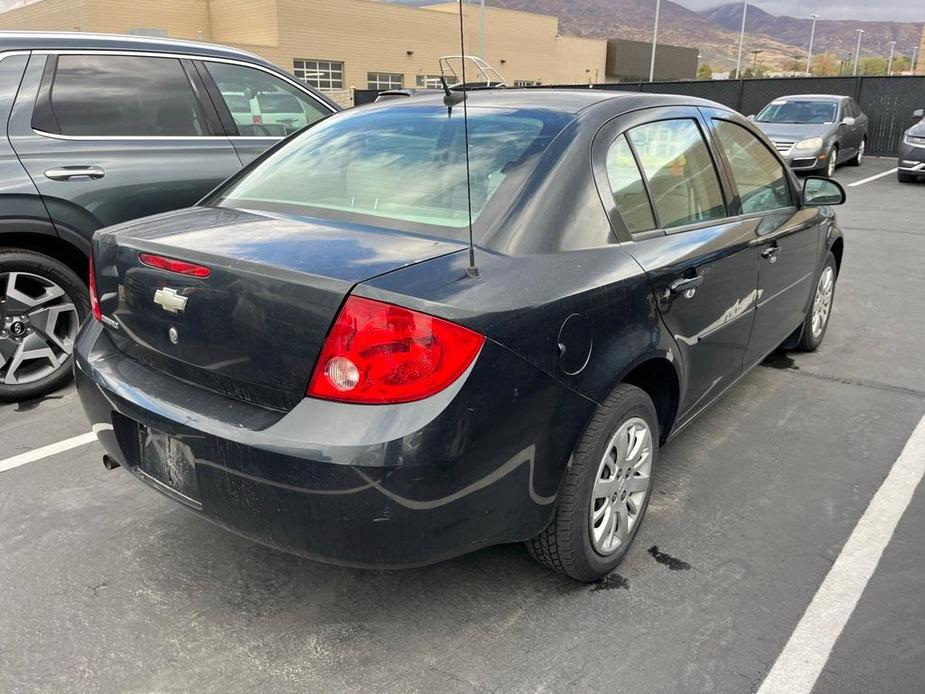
(679, 169)
(111, 95)
(629, 191)
(263, 105)
(758, 174)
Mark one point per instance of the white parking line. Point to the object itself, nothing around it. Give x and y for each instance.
(45, 451)
(798, 666)
(873, 178)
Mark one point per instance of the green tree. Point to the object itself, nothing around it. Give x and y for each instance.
(872, 65)
(825, 65)
(704, 72)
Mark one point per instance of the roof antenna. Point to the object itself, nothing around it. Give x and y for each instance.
(472, 271)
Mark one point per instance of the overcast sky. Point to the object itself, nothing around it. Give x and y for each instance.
(883, 10)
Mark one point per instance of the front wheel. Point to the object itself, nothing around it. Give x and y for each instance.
(904, 177)
(42, 303)
(606, 490)
(831, 162)
(817, 320)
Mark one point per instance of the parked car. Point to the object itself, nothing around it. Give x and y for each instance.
(100, 129)
(911, 165)
(816, 132)
(308, 358)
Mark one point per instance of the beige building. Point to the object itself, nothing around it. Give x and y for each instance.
(340, 45)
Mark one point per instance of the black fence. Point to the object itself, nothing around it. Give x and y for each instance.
(887, 101)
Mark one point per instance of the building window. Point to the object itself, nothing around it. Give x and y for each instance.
(427, 81)
(527, 83)
(321, 74)
(384, 80)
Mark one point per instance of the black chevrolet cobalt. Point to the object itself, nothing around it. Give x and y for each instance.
(311, 356)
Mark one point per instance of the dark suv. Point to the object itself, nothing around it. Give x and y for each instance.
(100, 129)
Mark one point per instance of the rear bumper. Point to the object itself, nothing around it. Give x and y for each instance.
(350, 484)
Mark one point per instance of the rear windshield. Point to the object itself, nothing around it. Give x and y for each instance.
(401, 167)
(798, 112)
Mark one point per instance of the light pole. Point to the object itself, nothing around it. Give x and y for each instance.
(482, 30)
(658, 7)
(857, 52)
(915, 53)
(741, 40)
(812, 37)
(889, 64)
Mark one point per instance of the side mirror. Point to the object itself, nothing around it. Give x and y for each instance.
(918, 113)
(819, 192)
(752, 117)
(848, 120)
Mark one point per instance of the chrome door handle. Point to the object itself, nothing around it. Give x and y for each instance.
(771, 252)
(66, 173)
(685, 285)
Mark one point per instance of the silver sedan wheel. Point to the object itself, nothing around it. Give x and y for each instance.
(620, 488)
(833, 162)
(822, 302)
(38, 328)
(861, 148)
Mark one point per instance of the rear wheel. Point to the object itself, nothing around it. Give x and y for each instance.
(817, 320)
(42, 303)
(606, 491)
(858, 158)
(906, 177)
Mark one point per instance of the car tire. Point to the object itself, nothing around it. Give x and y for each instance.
(575, 543)
(858, 158)
(904, 177)
(831, 161)
(820, 310)
(43, 304)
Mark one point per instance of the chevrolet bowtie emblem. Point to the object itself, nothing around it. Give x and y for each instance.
(169, 300)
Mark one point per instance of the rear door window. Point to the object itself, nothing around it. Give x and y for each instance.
(758, 174)
(263, 105)
(629, 191)
(680, 172)
(127, 96)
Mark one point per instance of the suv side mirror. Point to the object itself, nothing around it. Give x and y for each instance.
(918, 113)
(820, 192)
(848, 120)
(751, 117)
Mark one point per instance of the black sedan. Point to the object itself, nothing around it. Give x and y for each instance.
(911, 166)
(311, 358)
(816, 132)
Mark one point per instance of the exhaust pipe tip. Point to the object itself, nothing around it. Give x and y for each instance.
(110, 463)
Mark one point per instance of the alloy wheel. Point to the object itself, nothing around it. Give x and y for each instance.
(621, 485)
(38, 326)
(861, 148)
(822, 302)
(833, 162)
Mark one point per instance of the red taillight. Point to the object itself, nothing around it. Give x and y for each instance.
(94, 297)
(378, 353)
(181, 267)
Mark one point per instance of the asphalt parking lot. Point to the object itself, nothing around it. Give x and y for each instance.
(106, 586)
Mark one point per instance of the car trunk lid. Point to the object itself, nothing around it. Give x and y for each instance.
(254, 327)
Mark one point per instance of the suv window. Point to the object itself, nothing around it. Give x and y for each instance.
(263, 105)
(629, 192)
(114, 95)
(679, 169)
(758, 174)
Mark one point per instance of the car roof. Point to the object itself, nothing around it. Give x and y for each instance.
(812, 97)
(564, 100)
(71, 40)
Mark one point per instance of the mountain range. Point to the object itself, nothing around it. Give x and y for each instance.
(780, 39)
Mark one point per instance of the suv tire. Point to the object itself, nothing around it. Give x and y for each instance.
(42, 304)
